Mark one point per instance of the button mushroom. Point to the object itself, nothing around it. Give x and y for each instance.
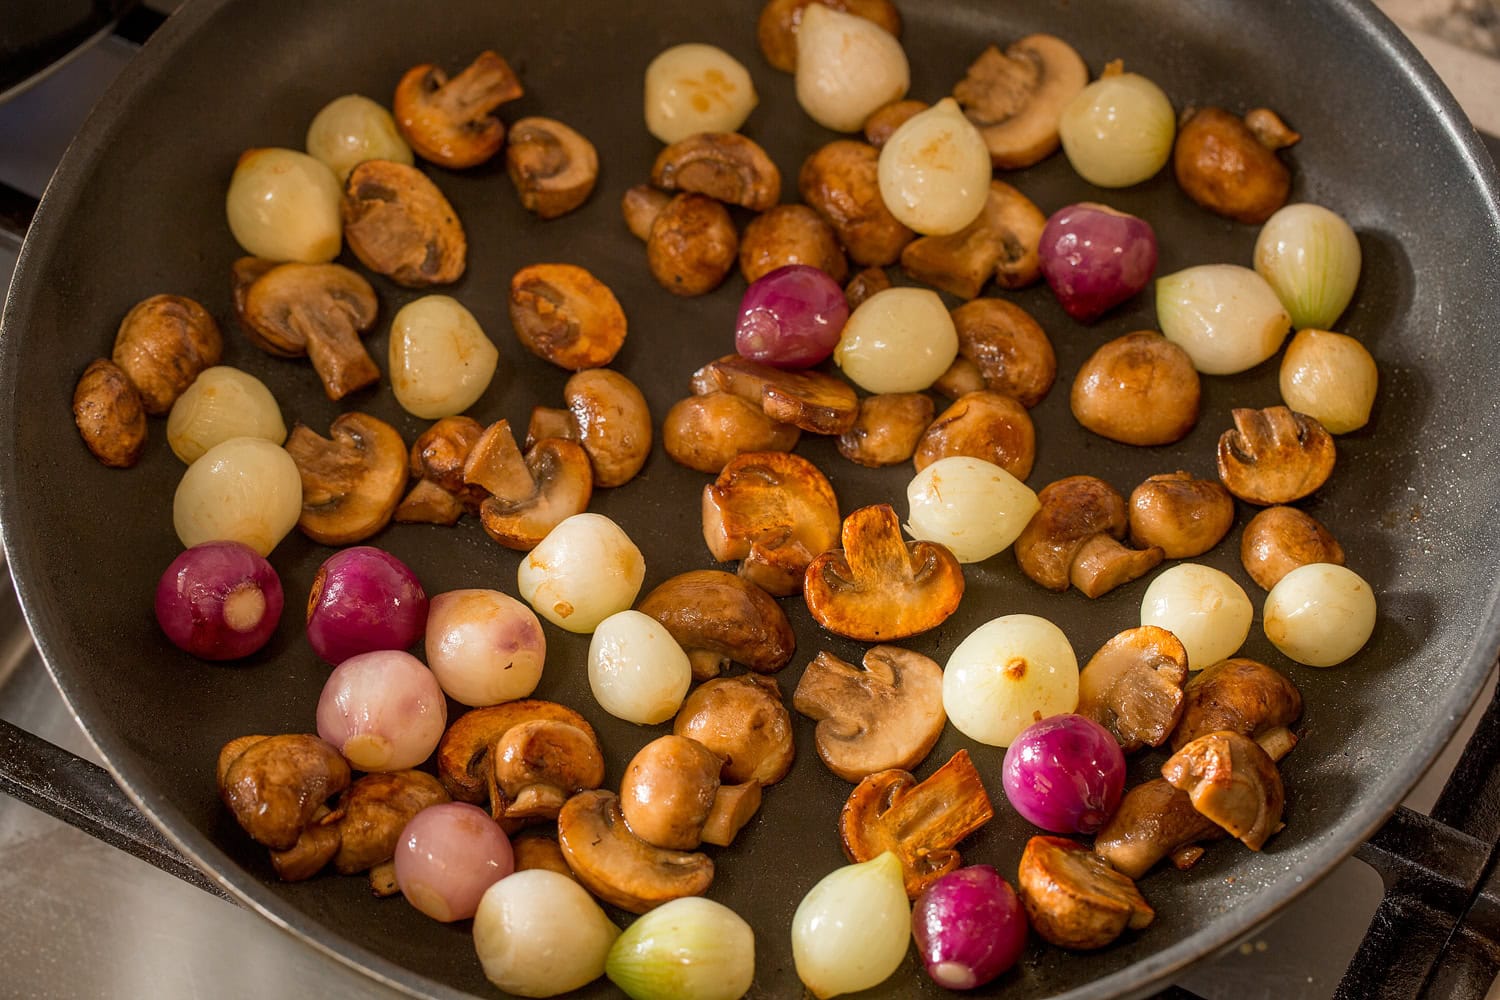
(161, 346)
(607, 414)
(1183, 515)
(1230, 166)
(724, 166)
(1133, 686)
(671, 796)
(1231, 781)
(1138, 389)
(465, 753)
(1279, 539)
(790, 234)
(1073, 539)
(1274, 456)
(961, 378)
(109, 414)
(1015, 98)
(538, 765)
(742, 720)
(437, 463)
(374, 810)
(532, 495)
(565, 315)
(1242, 696)
(449, 121)
(717, 617)
(887, 429)
(878, 586)
(888, 715)
(315, 847)
(986, 425)
(776, 30)
(883, 122)
(352, 480)
(840, 182)
(865, 284)
(1001, 243)
(1010, 348)
(275, 784)
(774, 512)
(692, 245)
(1074, 899)
(552, 166)
(317, 310)
(399, 224)
(705, 432)
(810, 400)
(619, 867)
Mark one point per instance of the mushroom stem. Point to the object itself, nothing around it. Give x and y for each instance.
(733, 807)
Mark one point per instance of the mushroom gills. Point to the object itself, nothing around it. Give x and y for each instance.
(538, 765)
(718, 617)
(352, 480)
(1016, 98)
(463, 754)
(1232, 782)
(1001, 243)
(1133, 686)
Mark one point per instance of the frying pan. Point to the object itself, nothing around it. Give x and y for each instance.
(137, 208)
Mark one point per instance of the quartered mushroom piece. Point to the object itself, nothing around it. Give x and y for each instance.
(773, 511)
(619, 867)
(1243, 696)
(724, 166)
(1133, 686)
(961, 378)
(552, 166)
(742, 720)
(468, 756)
(1279, 539)
(671, 796)
(705, 432)
(865, 284)
(1274, 455)
(316, 310)
(1074, 898)
(1182, 514)
(450, 121)
(718, 618)
(887, 429)
(1009, 348)
(1233, 782)
(985, 425)
(535, 850)
(352, 480)
(810, 400)
(1001, 243)
(275, 785)
(607, 414)
(1074, 539)
(399, 224)
(1016, 97)
(883, 122)
(531, 494)
(437, 463)
(565, 315)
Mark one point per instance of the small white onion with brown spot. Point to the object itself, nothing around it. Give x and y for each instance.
(973, 507)
(1320, 614)
(285, 205)
(1007, 674)
(696, 88)
(585, 570)
(934, 171)
(441, 359)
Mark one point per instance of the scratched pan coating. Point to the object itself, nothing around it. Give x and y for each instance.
(137, 208)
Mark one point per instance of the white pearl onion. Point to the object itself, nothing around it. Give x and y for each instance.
(222, 403)
(935, 171)
(284, 205)
(538, 933)
(244, 490)
(352, 129)
(851, 931)
(847, 67)
(1008, 673)
(898, 340)
(636, 669)
(973, 507)
(1203, 607)
(585, 570)
(441, 360)
(1320, 614)
(696, 88)
(1225, 316)
(1331, 378)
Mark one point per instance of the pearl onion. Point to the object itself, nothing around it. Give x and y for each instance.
(539, 933)
(1320, 614)
(1331, 378)
(352, 129)
(441, 360)
(222, 403)
(973, 507)
(1225, 316)
(1007, 674)
(898, 340)
(935, 171)
(636, 669)
(284, 205)
(696, 88)
(585, 570)
(243, 490)
(1204, 608)
(847, 67)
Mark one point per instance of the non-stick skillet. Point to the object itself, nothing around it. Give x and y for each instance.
(137, 208)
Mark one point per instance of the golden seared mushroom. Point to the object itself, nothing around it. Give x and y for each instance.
(1231, 781)
(718, 618)
(878, 586)
(1154, 821)
(888, 715)
(317, 310)
(887, 429)
(375, 808)
(705, 432)
(1133, 686)
(919, 823)
(813, 401)
(161, 346)
(1279, 539)
(961, 378)
(274, 785)
(724, 166)
(790, 234)
(640, 205)
(1183, 515)
(399, 224)
(607, 414)
(352, 480)
(742, 720)
(109, 414)
(1074, 899)
(1274, 455)
(535, 850)
(776, 30)
(1001, 243)
(317, 845)
(1242, 696)
(565, 315)
(619, 867)
(671, 796)
(865, 284)
(538, 765)
(840, 182)
(552, 166)
(986, 425)
(1016, 97)
(1074, 539)
(450, 121)
(465, 753)
(692, 245)
(883, 122)
(1010, 349)
(1139, 389)
(1229, 165)
(437, 463)
(774, 512)
(530, 495)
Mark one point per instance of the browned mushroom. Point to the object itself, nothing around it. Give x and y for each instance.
(274, 785)
(1133, 686)
(317, 310)
(1230, 168)
(888, 715)
(606, 414)
(883, 122)
(640, 205)
(315, 847)
(619, 867)
(535, 850)
(692, 245)
(538, 765)
(878, 586)
(1274, 456)
(671, 796)
(449, 121)
(1242, 696)
(1009, 347)
(790, 234)
(986, 425)
(1001, 243)
(865, 284)
(109, 414)
(375, 808)
(776, 30)
(1074, 899)
(961, 378)
(717, 617)
(840, 182)
(532, 495)
(1154, 821)
(704, 432)
(1183, 515)
(725, 166)
(399, 224)
(565, 315)
(887, 429)
(352, 480)
(1138, 389)
(1016, 98)
(1279, 539)
(552, 166)
(162, 345)
(1231, 781)
(437, 463)
(464, 755)
(1073, 539)
(774, 512)
(811, 400)
(742, 720)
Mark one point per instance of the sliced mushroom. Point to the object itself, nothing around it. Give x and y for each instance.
(717, 617)
(1073, 897)
(887, 429)
(375, 809)
(888, 715)
(1274, 456)
(538, 765)
(774, 512)
(1279, 539)
(450, 121)
(1133, 686)
(109, 414)
(811, 400)
(399, 224)
(640, 205)
(840, 182)
(776, 30)
(316, 846)
(561, 482)
(1183, 515)
(986, 425)
(1073, 538)
(1138, 389)
(161, 346)
(1229, 168)
(1010, 348)
(865, 284)
(464, 753)
(274, 785)
(670, 795)
(535, 850)
(790, 234)
(725, 166)
(705, 432)
(619, 867)
(742, 720)
(961, 378)
(878, 586)
(883, 122)
(437, 463)
(1001, 243)
(1241, 696)
(1231, 781)
(565, 315)
(552, 166)
(319, 310)
(352, 480)
(692, 246)
(1016, 98)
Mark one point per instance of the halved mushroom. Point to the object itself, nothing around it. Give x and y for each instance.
(565, 315)
(399, 224)
(1001, 243)
(725, 166)
(494, 466)
(274, 785)
(538, 765)
(1279, 539)
(878, 586)
(717, 617)
(1133, 686)
(1009, 347)
(790, 234)
(865, 284)
(1139, 389)
(883, 122)
(671, 796)
(742, 720)
(887, 429)
(1016, 98)
(437, 463)
(161, 346)
(692, 246)
(552, 166)
(640, 205)
(773, 511)
(1231, 781)
(1074, 538)
(1230, 167)
(811, 400)
(918, 823)
(607, 414)
(1274, 455)
(705, 432)
(317, 310)
(986, 425)
(619, 867)
(530, 496)
(109, 414)
(464, 753)
(1074, 898)
(961, 378)
(352, 480)
(535, 850)
(776, 30)
(449, 121)
(840, 181)
(888, 715)
(1242, 696)
(1183, 515)
(375, 808)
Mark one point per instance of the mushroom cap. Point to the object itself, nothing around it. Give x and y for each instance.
(110, 415)
(742, 720)
(1181, 514)
(986, 425)
(1279, 539)
(717, 617)
(668, 791)
(399, 224)
(1133, 686)
(351, 480)
(776, 29)
(888, 715)
(275, 784)
(841, 183)
(1224, 166)
(375, 808)
(1139, 389)
(706, 432)
(692, 246)
(538, 764)
(811, 400)
(552, 166)
(565, 315)
(1073, 510)
(563, 481)
(318, 310)
(449, 121)
(1073, 897)
(463, 754)
(887, 428)
(1015, 98)
(773, 511)
(438, 458)
(1153, 820)
(1274, 455)
(1009, 346)
(725, 166)
(1240, 695)
(1003, 242)
(1232, 782)
(790, 234)
(161, 346)
(613, 423)
(619, 867)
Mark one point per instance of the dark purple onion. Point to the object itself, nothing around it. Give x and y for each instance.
(1065, 774)
(1095, 258)
(219, 600)
(364, 600)
(969, 927)
(791, 317)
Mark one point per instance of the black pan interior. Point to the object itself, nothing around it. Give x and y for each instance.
(138, 209)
